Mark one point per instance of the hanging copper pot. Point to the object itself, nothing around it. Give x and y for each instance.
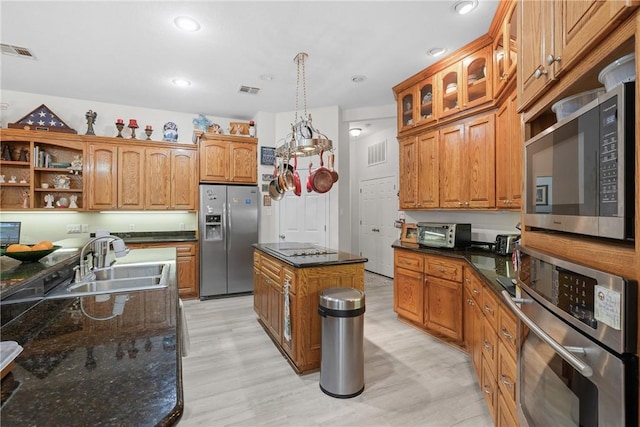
(322, 180)
(296, 177)
(331, 161)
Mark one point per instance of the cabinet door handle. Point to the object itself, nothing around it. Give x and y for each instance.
(489, 309)
(506, 333)
(487, 390)
(475, 291)
(487, 345)
(551, 59)
(505, 380)
(540, 72)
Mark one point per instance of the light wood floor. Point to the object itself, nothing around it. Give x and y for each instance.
(235, 376)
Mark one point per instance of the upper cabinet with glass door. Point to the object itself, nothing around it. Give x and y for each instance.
(426, 106)
(476, 75)
(406, 109)
(505, 50)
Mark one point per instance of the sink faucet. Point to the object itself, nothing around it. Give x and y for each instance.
(99, 258)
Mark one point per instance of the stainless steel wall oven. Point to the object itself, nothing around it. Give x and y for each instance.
(577, 361)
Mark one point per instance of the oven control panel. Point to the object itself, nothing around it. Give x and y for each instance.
(575, 294)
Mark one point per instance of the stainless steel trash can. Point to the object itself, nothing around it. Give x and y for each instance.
(342, 349)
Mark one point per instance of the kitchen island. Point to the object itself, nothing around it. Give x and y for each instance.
(288, 279)
(77, 369)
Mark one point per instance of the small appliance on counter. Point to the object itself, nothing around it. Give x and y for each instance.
(439, 235)
(506, 243)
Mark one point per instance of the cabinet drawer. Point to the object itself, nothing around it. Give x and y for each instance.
(256, 259)
(186, 250)
(409, 260)
(490, 346)
(507, 376)
(271, 268)
(489, 388)
(490, 307)
(473, 284)
(443, 268)
(507, 328)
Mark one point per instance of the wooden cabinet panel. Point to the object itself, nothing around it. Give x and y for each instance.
(449, 86)
(509, 153)
(426, 101)
(228, 158)
(506, 378)
(184, 179)
(443, 307)
(444, 268)
(274, 319)
(507, 329)
(408, 294)
(157, 178)
(489, 389)
(490, 346)
(505, 50)
(505, 417)
(406, 109)
(427, 171)
(408, 164)
(490, 308)
(103, 181)
(473, 332)
(473, 284)
(131, 175)
(477, 79)
(467, 159)
(409, 260)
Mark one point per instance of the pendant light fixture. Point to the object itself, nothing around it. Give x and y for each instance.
(304, 139)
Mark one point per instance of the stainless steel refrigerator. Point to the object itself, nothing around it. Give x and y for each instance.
(228, 223)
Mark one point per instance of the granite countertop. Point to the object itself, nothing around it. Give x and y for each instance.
(331, 257)
(78, 370)
(489, 265)
(157, 236)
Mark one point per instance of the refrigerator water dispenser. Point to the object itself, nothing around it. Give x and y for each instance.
(213, 227)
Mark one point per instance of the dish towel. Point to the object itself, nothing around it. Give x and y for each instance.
(287, 313)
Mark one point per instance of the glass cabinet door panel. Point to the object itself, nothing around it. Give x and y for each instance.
(427, 112)
(406, 109)
(476, 79)
(512, 41)
(449, 90)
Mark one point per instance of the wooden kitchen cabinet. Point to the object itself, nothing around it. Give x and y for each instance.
(509, 154)
(142, 177)
(228, 159)
(553, 36)
(21, 146)
(505, 50)
(419, 165)
(428, 292)
(489, 388)
(187, 265)
(467, 159)
(305, 285)
(406, 109)
(473, 321)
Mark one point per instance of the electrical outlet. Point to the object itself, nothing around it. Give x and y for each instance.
(132, 227)
(85, 228)
(181, 226)
(73, 228)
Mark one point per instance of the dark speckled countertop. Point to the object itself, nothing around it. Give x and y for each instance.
(488, 264)
(76, 370)
(157, 236)
(332, 257)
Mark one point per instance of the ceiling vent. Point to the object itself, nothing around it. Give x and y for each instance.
(12, 50)
(249, 90)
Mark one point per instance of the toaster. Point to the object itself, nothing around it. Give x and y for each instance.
(506, 243)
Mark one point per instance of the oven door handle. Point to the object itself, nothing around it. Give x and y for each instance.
(565, 353)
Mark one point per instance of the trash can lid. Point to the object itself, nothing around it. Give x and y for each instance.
(342, 298)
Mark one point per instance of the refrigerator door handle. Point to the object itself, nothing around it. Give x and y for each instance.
(227, 223)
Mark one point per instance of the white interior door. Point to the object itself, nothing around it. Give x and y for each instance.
(378, 210)
(304, 218)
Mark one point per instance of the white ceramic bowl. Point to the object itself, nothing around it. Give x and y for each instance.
(571, 104)
(619, 71)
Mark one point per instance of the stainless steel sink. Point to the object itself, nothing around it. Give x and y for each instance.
(118, 279)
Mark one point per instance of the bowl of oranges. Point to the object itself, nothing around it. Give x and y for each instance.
(29, 253)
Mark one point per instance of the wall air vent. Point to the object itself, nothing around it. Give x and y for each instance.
(377, 153)
(249, 90)
(12, 50)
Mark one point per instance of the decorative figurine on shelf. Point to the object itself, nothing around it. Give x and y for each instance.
(61, 182)
(2, 179)
(6, 152)
(133, 125)
(74, 200)
(252, 129)
(76, 164)
(91, 119)
(49, 201)
(13, 179)
(119, 126)
(215, 128)
(25, 199)
(202, 123)
(148, 130)
(22, 157)
(170, 132)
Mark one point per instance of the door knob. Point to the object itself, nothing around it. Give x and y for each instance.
(282, 236)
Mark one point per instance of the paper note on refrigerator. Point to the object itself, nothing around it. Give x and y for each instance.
(607, 306)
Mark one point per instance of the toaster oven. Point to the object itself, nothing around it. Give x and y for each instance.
(439, 235)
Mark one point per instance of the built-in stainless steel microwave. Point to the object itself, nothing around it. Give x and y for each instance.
(580, 174)
(438, 235)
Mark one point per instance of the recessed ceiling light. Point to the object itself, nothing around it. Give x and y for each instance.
(465, 6)
(186, 23)
(437, 51)
(358, 78)
(181, 82)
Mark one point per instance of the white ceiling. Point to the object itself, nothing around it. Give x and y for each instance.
(127, 52)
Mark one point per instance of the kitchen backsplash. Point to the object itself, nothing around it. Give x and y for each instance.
(37, 226)
(485, 225)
